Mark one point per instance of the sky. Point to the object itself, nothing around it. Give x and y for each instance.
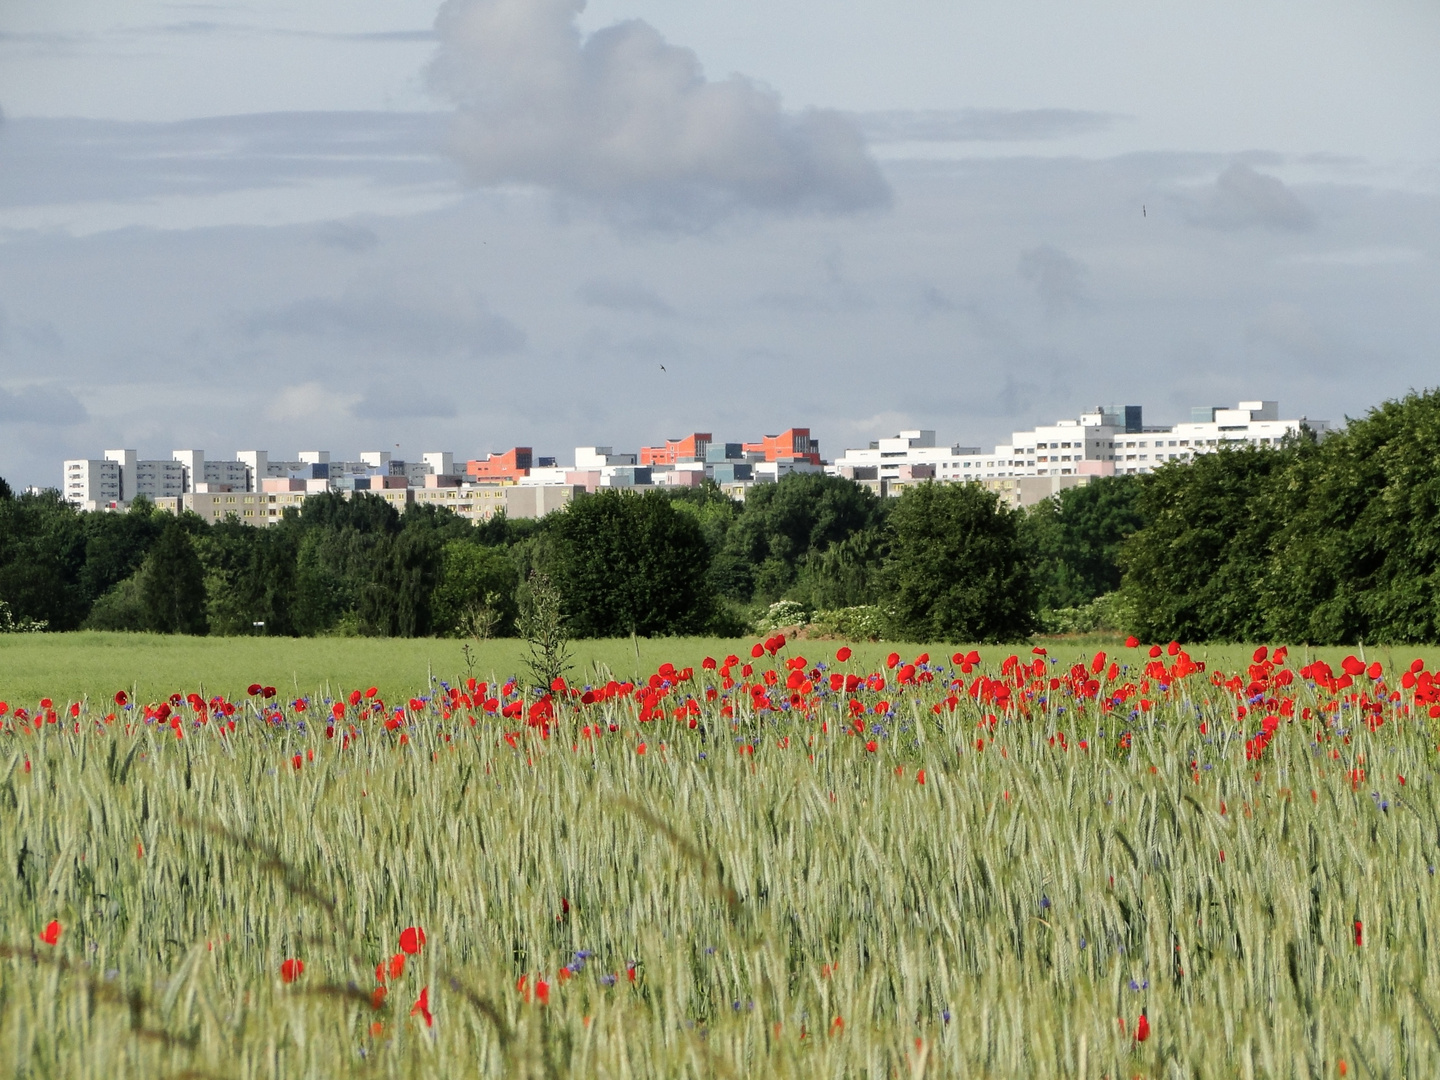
(484, 223)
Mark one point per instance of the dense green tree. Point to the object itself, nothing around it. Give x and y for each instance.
(475, 594)
(116, 545)
(1196, 569)
(42, 555)
(1358, 556)
(122, 608)
(1076, 537)
(957, 568)
(845, 574)
(249, 578)
(5, 490)
(362, 512)
(396, 601)
(628, 563)
(784, 524)
(172, 584)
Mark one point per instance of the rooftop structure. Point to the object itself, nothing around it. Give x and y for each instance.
(1102, 442)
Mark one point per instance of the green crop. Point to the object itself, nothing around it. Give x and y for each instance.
(996, 874)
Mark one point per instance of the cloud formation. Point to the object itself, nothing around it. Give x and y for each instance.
(623, 296)
(50, 406)
(403, 401)
(1059, 279)
(624, 119)
(346, 235)
(980, 125)
(1241, 198)
(382, 323)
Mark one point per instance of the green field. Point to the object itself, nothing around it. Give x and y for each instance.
(69, 667)
(788, 896)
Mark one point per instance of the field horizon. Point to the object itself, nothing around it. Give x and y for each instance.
(76, 665)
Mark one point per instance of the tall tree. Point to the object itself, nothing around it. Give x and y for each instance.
(784, 524)
(173, 584)
(627, 563)
(1076, 538)
(1358, 556)
(476, 591)
(957, 569)
(1196, 570)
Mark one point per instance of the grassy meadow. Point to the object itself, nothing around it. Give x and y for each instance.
(992, 873)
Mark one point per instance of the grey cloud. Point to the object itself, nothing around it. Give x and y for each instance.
(206, 27)
(1288, 326)
(52, 406)
(623, 296)
(980, 125)
(397, 401)
(625, 120)
(1058, 278)
(346, 235)
(1242, 197)
(386, 324)
(50, 161)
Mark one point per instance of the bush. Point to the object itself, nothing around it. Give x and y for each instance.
(121, 608)
(782, 613)
(1109, 613)
(862, 623)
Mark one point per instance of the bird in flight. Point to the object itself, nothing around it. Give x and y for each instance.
(662, 368)
(1142, 210)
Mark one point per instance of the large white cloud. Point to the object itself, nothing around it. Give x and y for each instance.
(624, 119)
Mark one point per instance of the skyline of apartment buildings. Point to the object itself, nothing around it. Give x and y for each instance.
(1035, 464)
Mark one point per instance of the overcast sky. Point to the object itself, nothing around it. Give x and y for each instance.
(357, 224)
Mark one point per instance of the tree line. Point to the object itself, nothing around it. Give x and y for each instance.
(1328, 541)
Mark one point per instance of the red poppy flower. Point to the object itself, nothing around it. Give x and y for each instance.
(51, 934)
(422, 1006)
(290, 970)
(397, 965)
(121, 698)
(1132, 642)
(757, 651)
(253, 689)
(843, 653)
(892, 661)
(411, 939)
(1142, 1028)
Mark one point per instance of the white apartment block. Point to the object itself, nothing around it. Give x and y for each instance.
(1103, 442)
(92, 483)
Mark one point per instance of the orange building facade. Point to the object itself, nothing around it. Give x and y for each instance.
(690, 448)
(511, 465)
(794, 444)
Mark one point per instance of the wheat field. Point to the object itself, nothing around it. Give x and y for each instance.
(1040, 866)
